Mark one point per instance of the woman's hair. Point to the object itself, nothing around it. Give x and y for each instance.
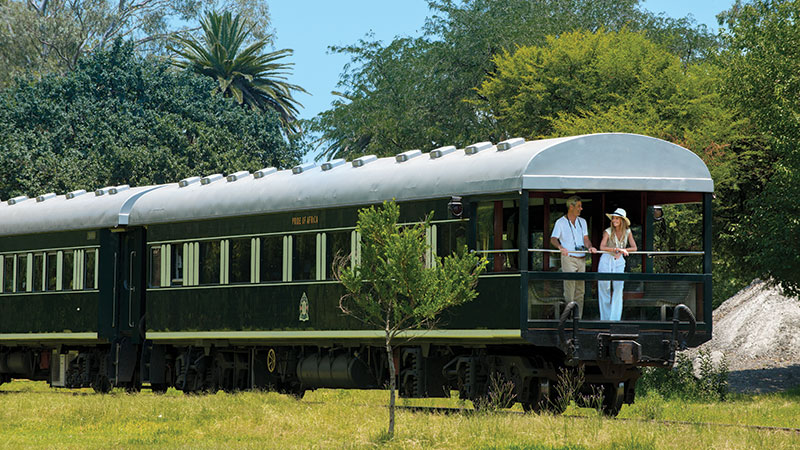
(623, 224)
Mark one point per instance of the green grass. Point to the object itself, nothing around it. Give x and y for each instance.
(35, 416)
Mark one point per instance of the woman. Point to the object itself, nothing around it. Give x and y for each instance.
(617, 242)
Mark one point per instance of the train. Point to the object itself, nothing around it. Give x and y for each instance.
(226, 282)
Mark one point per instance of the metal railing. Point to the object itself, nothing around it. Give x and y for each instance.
(638, 252)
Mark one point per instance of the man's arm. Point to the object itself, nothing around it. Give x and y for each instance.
(588, 244)
(557, 244)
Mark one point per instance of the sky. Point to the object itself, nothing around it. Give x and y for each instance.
(309, 27)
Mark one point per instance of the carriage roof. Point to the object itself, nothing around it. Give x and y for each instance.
(613, 161)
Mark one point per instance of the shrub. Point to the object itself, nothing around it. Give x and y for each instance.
(681, 382)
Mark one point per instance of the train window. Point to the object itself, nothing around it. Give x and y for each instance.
(51, 271)
(68, 271)
(209, 260)
(536, 233)
(155, 266)
(240, 260)
(485, 224)
(37, 283)
(497, 231)
(176, 264)
(8, 274)
(337, 245)
(22, 273)
(271, 262)
(90, 268)
(304, 256)
(451, 237)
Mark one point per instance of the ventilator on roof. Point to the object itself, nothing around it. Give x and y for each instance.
(117, 189)
(358, 162)
(16, 200)
(74, 194)
(300, 168)
(211, 179)
(188, 181)
(331, 164)
(475, 148)
(405, 156)
(509, 143)
(102, 191)
(441, 151)
(237, 176)
(264, 172)
(44, 197)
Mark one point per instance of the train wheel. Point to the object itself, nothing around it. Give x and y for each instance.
(613, 395)
(499, 394)
(297, 393)
(135, 386)
(539, 392)
(159, 388)
(102, 385)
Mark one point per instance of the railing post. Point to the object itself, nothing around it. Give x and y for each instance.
(523, 261)
(649, 239)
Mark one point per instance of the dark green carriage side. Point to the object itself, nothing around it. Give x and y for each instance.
(42, 310)
(276, 306)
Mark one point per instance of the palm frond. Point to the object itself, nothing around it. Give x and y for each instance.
(252, 77)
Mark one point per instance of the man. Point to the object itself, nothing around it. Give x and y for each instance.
(571, 233)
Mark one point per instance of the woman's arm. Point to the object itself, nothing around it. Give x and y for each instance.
(631, 244)
(603, 246)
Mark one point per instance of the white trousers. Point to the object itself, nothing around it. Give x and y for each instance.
(610, 303)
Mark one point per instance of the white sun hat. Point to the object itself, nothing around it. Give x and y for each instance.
(619, 212)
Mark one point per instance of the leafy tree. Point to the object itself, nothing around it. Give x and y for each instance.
(45, 35)
(121, 119)
(253, 78)
(585, 82)
(763, 61)
(420, 93)
(391, 288)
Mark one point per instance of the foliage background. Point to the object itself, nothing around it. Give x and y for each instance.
(119, 118)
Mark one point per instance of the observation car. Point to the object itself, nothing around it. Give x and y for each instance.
(225, 282)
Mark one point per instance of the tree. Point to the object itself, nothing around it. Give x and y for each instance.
(253, 78)
(587, 82)
(763, 60)
(420, 93)
(392, 289)
(122, 119)
(45, 35)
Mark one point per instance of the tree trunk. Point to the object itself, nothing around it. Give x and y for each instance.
(392, 384)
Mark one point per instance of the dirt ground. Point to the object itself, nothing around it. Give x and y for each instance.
(757, 332)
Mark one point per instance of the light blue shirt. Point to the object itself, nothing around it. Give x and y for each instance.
(570, 236)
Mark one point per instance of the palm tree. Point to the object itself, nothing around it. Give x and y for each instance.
(252, 78)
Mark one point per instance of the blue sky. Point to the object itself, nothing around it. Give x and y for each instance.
(310, 26)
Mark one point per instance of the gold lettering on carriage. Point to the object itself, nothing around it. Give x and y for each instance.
(305, 220)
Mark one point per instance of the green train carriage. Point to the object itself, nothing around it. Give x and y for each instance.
(225, 282)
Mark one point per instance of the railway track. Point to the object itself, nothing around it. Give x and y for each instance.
(447, 411)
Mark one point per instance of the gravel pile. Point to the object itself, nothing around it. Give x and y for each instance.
(757, 331)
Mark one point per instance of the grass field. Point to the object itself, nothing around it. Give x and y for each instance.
(35, 416)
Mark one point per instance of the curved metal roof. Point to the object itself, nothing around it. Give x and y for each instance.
(86, 210)
(611, 161)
